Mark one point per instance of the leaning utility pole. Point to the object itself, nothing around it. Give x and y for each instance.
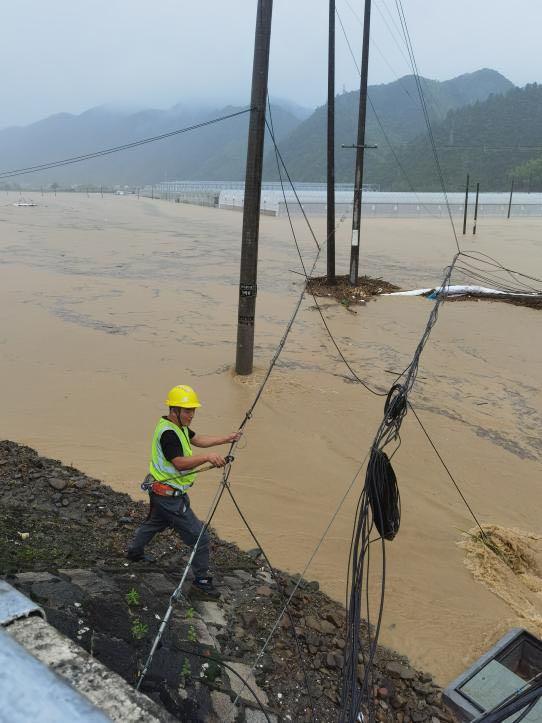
(253, 187)
(510, 201)
(360, 149)
(331, 147)
(465, 210)
(476, 208)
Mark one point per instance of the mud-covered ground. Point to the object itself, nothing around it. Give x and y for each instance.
(346, 294)
(63, 537)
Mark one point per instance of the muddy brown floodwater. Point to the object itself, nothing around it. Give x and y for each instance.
(106, 303)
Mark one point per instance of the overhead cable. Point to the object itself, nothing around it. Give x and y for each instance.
(117, 149)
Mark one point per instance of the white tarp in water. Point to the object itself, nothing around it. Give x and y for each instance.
(462, 290)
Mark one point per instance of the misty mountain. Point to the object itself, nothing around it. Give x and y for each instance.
(394, 116)
(218, 151)
(215, 152)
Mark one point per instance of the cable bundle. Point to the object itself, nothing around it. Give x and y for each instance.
(383, 494)
(378, 507)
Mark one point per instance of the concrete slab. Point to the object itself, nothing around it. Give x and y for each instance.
(103, 688)
(211, 613)
(89, 581)
(30, 691)
(14, 605)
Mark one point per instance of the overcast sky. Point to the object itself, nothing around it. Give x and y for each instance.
(70, 55)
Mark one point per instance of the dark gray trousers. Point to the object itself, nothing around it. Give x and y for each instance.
(174, 512)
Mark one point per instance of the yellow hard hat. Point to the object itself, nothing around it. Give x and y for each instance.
(183, 396)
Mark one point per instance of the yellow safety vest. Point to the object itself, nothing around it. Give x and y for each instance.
(160, 468)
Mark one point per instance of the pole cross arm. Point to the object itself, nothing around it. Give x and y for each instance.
(354, 145)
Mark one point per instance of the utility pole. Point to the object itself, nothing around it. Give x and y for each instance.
(360, 150)
(253, 187)
(466, 207)
(476, 209)
(331, 147)
(510, 202)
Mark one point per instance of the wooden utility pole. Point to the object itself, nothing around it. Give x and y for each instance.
(476, 209)
(331, 147)
(253, 188)
(360, 150)
(466, 206)
(510, 202)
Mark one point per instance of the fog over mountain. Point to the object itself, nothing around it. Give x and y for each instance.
(218, 151)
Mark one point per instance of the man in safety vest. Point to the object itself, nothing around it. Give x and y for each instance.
(171, 475)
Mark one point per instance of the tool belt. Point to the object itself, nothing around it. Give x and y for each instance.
(159, 488)
(165, 490)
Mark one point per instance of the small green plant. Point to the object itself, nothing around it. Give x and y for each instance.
(190, 613)
(192, 635)
(139, 629)
(186, 670)
(132, 597)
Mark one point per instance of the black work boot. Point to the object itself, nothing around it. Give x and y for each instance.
(204, 588)
(140, 557)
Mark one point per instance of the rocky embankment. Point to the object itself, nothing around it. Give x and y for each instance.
(63, 537)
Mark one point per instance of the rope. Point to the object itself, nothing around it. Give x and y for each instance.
(220, 662)
(379, 120)
(274, 576)
(223, 483)
(303, 572)
(379, 506)
(308, 275)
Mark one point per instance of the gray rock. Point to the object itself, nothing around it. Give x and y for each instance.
(249, 620)
(158, 583)
(56, 593)
(253, 715)
(334, 618)
(90, 582)
(202, 632)
(321, 626)
(57, 483)
(223, 708)
(232, 582)
(243, 575)
(211, 613)
(265, 577)
(264, 591)
(418, 716)
(238, 685)
(422, 688)
(400, 671)
(28, 578)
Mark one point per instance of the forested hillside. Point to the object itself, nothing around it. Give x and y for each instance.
(493, 141)
(394, 116)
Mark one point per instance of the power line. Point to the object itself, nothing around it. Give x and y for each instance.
(410, 50)
(116, 149)
(308, 275)
(223, 484)
(381, 125)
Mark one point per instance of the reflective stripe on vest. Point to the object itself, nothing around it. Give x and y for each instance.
(160, 468)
